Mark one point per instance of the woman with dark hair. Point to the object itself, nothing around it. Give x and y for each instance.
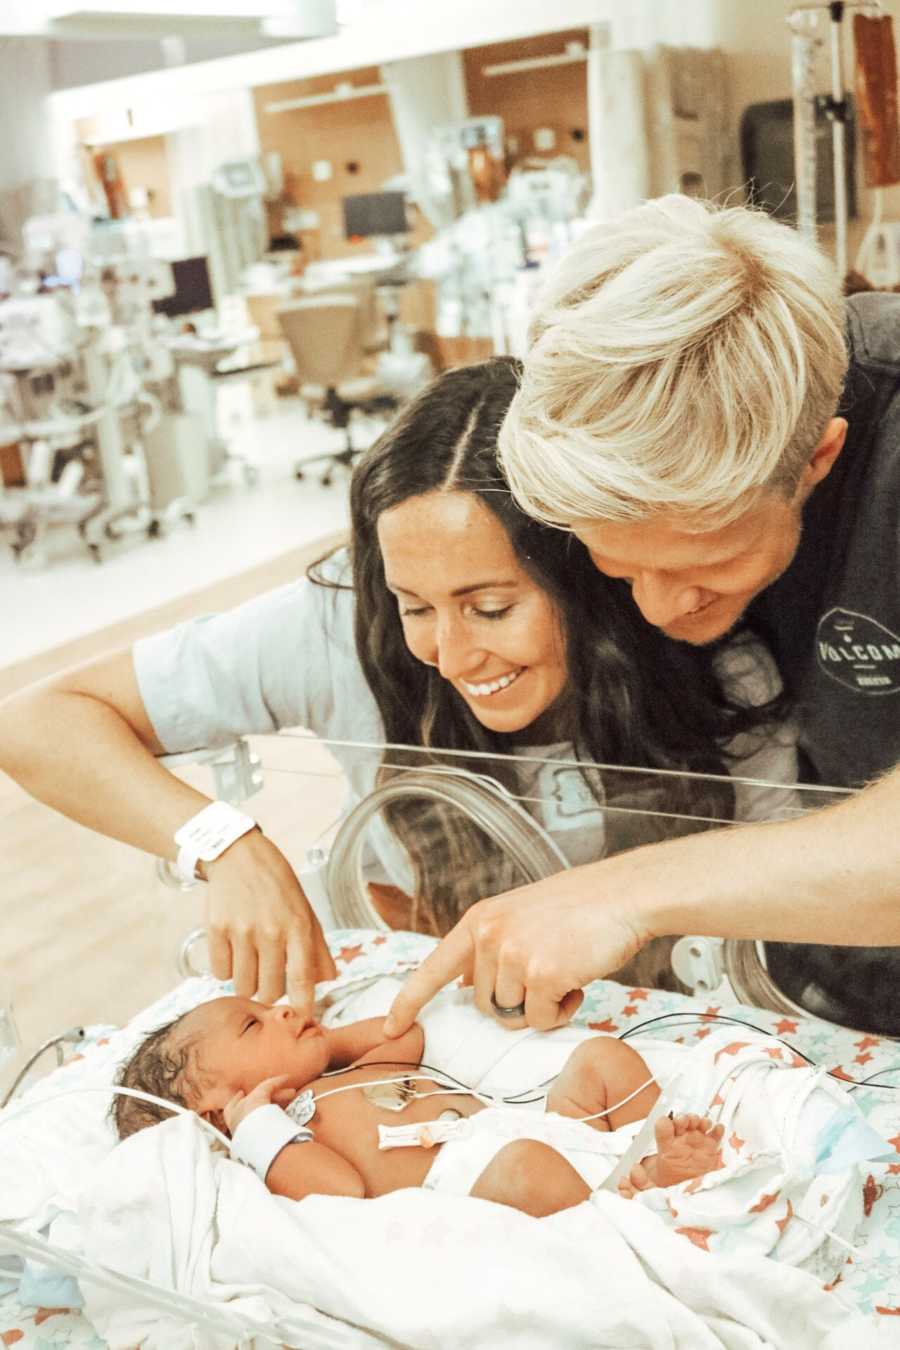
(616, 690)
(455, 623)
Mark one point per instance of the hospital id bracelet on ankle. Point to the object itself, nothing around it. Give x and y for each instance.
(262, 1135)
(207, 835)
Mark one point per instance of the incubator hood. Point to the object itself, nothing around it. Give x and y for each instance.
(415, 836)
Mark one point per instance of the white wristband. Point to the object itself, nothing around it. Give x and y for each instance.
(207, 835)
(262, 1135)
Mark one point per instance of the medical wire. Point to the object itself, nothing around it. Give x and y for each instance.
(690, 1019)
(462, 1090)
(116, 1091)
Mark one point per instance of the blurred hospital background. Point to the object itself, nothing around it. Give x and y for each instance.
(236, 235)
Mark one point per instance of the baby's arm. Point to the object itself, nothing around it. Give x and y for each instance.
(313, 1169)
(302, 1168)
(359, 1040)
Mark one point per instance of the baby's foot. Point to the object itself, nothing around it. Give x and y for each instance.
(687, 1147)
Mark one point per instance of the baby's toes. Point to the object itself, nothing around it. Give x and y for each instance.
(625, 1189)
(664, 1131)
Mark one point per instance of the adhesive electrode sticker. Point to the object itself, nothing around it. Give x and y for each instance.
(302, 1109)
(390, 1096)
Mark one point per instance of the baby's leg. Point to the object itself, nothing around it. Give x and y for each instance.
(532, 1177)
(687, 1147)
(598, 1075)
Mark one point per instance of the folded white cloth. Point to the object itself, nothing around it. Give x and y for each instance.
(428, 1270)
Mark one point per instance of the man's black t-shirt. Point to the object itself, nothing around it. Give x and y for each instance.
(833, 619)
(833, 623)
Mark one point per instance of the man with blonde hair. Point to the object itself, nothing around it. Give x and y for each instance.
(703, 410)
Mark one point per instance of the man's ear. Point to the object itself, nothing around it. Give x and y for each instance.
(823, 457)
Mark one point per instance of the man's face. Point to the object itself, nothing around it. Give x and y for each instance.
(695, 586)
(693, 583)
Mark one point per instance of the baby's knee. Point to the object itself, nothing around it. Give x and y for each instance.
(531, 1176)
(585, 1073)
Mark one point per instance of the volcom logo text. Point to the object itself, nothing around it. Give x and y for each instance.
(858, 652)
(886, 652)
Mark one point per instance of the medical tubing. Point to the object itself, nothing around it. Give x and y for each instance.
(116, 1091)
(70, 1037)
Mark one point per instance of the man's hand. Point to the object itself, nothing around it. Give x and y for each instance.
(537, 945)
(261, 927)
(270, 1092)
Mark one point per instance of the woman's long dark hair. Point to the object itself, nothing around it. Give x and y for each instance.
(633, 696)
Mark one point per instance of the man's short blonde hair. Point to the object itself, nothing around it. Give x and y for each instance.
(683, 359)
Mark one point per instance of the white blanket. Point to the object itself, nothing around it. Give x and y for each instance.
(429, 1271)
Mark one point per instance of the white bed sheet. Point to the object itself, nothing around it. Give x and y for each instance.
(871, 1282)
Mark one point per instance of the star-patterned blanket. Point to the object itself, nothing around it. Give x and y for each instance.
(868, 1281)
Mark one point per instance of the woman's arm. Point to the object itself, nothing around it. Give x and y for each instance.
(83, 744)
(832, 876)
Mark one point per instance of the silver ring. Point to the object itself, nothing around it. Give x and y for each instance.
(517, 1011)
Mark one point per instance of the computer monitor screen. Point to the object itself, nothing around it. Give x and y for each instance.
(375, 213)
(193, 291)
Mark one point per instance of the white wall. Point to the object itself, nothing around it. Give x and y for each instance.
(25, 82)
(424, 92)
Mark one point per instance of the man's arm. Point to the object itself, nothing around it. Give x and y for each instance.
(832, 877)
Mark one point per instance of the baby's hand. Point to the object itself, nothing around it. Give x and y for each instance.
(269, 1091)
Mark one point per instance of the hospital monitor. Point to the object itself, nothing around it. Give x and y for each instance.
(375, 213)
(193, 289)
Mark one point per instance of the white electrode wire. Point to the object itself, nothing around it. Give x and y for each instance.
(409, 1078)
(471, 1092)
(174, 1107)
(624, 1102)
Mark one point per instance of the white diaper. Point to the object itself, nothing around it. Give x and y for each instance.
(475, 1140)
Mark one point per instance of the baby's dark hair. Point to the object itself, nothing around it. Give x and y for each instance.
(165, 1063)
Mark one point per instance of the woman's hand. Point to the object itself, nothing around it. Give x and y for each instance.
(269, 1091)
(262, 930)
(537, 945)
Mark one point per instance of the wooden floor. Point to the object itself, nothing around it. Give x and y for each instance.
(89, 932)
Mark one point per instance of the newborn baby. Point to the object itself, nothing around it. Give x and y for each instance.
(237, 1062)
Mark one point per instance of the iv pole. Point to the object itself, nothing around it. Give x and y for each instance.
(802, 21)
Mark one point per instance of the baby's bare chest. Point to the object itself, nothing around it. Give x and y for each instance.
(347, 1121)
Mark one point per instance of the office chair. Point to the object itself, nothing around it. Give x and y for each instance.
(326, 335)
(375, 332)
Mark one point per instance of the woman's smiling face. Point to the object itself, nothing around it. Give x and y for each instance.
(469, 608)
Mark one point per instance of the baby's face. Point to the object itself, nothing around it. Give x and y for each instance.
(242, 1042)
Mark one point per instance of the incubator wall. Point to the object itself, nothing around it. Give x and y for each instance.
(424, 834)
